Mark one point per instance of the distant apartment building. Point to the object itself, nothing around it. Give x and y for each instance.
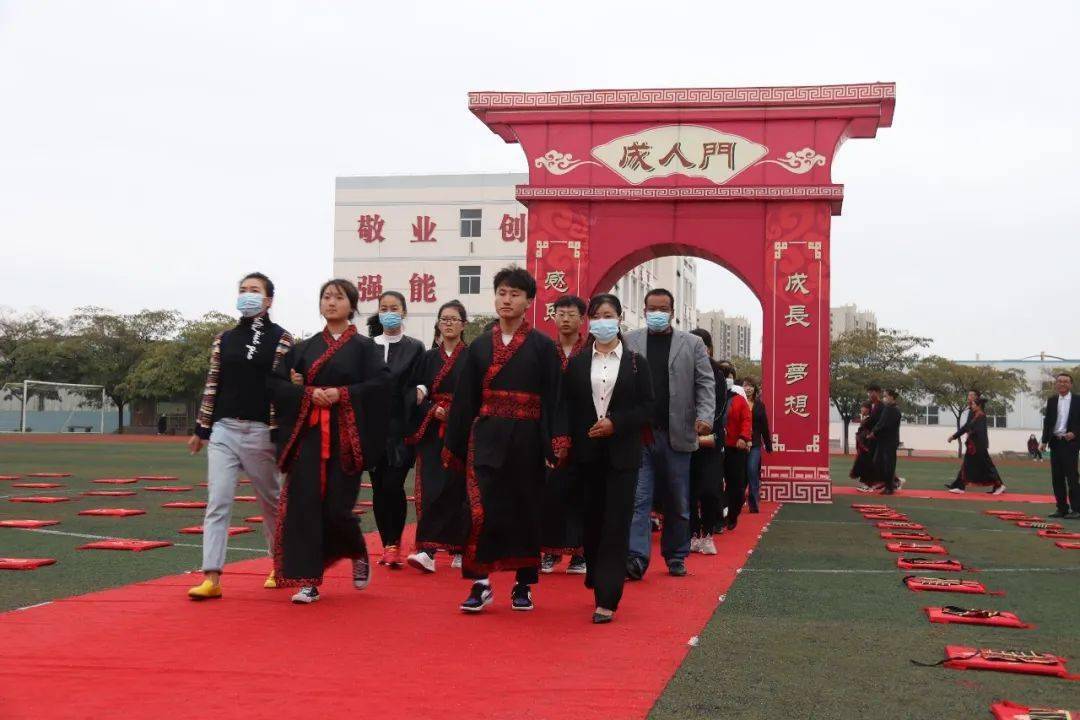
(730, 334)
(848, 318)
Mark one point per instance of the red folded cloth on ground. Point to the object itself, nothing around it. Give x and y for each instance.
(365, 503)
(119, 544)
(39, 499)
(10, 477)
(48, 475)
(869, 506)
(169, 488)
(1022, 661)
(893, 535)
(358, 511)
(192, 505)
(198, 530)
(36, 486)
(888, 516)
(954, 585)
(1059, 534)
(24, 563)
(903, 547)
(1066, 545)
(366, 485)
(162, 478)
(108, 493)
(1004, 513)
(899, 525)
(112, 512)
(28, 523)
(245, 498)
(975, 616)
(254, 519)
(1039, 525)
(1005, 710)
(1021, 518)
(115, 481)
(931, 564)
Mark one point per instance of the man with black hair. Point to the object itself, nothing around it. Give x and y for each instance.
(561, 513)
(885, 434)
(1061, 433)
(237, 419)
(502, 432)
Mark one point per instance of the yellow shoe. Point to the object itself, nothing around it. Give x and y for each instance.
(271, 581)
(207, 590)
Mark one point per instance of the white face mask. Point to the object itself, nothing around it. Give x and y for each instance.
(730, 382)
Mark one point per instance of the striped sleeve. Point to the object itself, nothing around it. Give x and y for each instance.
(284, 345)
(206, 408)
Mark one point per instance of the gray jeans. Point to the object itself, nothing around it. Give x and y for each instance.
(237, 445)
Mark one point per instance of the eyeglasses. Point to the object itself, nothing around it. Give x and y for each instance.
(449, 320)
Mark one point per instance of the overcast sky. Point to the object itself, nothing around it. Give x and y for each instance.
(153, 152)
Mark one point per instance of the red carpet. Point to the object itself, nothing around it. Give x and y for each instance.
(399, 649)
(946, 495)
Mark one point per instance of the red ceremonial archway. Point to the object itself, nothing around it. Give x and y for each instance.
(738, 176)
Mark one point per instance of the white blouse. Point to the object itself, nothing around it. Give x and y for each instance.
(605, 371)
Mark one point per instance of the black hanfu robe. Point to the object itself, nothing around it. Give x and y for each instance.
(977, 468)
(863, 468)
(323, 451)
(442, 516)
(563, 502)
(502, 428)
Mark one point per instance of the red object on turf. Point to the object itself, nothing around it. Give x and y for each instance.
(933, 584)
(943, 564)
(169, 488)
(25, 563)
(119, 544)
(39, 499)
(1009, 497)
(112, 512)
(115, 481)
(869, 506)
(244, 481)
(1059, 534)
(161, 478)
(198, 530)
(36, 486)
(1039, 524)
(1003, 513)
(108, 493)
(1005, 710)
(205, 485)
(10, 477)
(358, 511)
(192, 505)
(26, 524)
(245, 498)
(1065, 545)
(899, 525)
(1026, 662)
(48, 475)
(1021, 518)
(254, 519)
(903, 547)
(366, 485)
(893, 535)
(995, 618)
(365, 503)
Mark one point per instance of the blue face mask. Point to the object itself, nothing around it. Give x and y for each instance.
(390, 320)
(249, 304)
(657, 321)
(604, 329)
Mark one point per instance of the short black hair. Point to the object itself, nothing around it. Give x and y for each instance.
(978, 393)
(705, 335)
(570, 301)
(660, 291)
(346, 287)
(268, 284)
(517, 278)
(1063, 374)
(604, 299)
(893, 393)
(726, 368)
(399, 296)
(873, 387)
(867, 404)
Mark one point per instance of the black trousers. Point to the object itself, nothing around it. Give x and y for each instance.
(609, 509)
(734, 481)
(1063, 471)
(388, 501)
(522, 576)
(706, 491)
(885, 464)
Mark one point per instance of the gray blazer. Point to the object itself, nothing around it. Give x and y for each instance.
(691, 386)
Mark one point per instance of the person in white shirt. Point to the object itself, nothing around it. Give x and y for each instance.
(1061, 433)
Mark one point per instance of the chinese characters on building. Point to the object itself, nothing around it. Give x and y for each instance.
(636, 156)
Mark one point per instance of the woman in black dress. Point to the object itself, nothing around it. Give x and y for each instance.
(863, 468)
(977, 468)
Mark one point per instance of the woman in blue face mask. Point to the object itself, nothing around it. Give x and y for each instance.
(402, 354)
(608, 395)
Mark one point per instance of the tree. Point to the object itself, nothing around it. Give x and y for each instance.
(861, 357)
(18, 330)
(745, 367)
(475, 326)
(946, 384)
(1046, 390)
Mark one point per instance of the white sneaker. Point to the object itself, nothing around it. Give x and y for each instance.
(998, 490)
(422, 561)
(708, 547)
(957, 491)
(862, 487)
(900, 482)
(695, 544)
(456, 562)
(306, 596)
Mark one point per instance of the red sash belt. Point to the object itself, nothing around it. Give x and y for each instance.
(510, 405)
(321, 416)
(438, 400)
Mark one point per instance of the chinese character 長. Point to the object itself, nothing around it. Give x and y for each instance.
(797, 315)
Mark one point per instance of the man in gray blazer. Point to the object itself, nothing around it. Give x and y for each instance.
(685, 400)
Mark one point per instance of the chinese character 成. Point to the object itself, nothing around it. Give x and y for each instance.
(370, 228)
(796, 405)
(423, 229)
(369, 287)
(797, 315)
(422, 288)
(634, 156)
(795, 372)
(796, 282)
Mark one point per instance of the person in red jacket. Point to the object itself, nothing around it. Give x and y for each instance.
(738, 431)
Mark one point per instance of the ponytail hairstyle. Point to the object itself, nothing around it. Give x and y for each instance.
(594, 306)
(455, 305)
(375, 327)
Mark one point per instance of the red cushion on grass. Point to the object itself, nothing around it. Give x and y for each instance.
(244, 481)
(869, 506)
(1021, 518)
(1005, 710)
(887, 516)
(108, 493)
(254, 519)
(245, 498)
(1059, 534)
(365, 503)
(1004, 513)
(998, 618)
(358, 511)
(899, 525)
(366, 485)
(169, 488)
(28, 523)
(112, 512)
(132, 545)
(10, 477)
(943, 564)
(24, 563)
(953, 585)
(190, 505)
(1039, 525)
(37, 486)
(969, 658)
(904, 547)
(162, 478)
(894, 535)
(198, 530)
(1066, 545)
(115, 481)
(48, 475)
(39, 499)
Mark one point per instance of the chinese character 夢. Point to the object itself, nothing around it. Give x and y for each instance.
(796, 405)
(512, 228)
(797, 315)
(369, 287)
(423, 229)
(796, 372)
(422, 288)
(370, 228)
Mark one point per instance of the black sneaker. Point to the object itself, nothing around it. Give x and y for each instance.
(306, 596)
(521, 598)
(1074, 515)
(733, 523)
(635, 568)
(361, 572)
(577, 566)
(479, 597)
(677, 568)
(1058, 514)
(547, 562)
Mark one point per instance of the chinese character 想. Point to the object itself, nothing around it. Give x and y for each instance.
(796, 405)
(370, 228)
(369, 287)
(512, 228)
(556, 280)
(633, 156)
(423, 229)
(796, 282)
(676, 152)
(422, 288)
(795, 372)
(717, 148)
(797, 315)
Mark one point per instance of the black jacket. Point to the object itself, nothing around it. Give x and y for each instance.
(1050, 419)
(761, 435)
(630, 409)
(887, 429)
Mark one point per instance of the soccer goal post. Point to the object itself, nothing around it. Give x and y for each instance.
(52, 407)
